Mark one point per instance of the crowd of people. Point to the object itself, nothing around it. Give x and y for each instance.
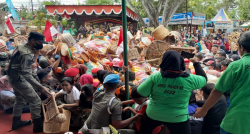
(206, 94)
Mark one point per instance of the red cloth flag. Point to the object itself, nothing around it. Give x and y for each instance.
(120, 40)
(10, 28)
(49, 31)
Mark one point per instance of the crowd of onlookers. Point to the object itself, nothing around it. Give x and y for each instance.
(165, 102)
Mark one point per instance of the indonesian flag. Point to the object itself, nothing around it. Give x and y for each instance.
(120, 43)
(10, 28)
(49, 31)
(120, 40)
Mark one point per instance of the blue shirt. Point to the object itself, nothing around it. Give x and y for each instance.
(66, 31)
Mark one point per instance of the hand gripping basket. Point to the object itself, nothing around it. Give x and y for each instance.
(51, 113)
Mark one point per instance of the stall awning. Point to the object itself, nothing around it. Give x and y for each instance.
(88, 10)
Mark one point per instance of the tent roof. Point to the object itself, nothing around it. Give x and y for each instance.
(88, 10)
(221, 16)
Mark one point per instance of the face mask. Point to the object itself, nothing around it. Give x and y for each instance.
(38, 46)
(51, 80)
(34, 71)
(205, 68)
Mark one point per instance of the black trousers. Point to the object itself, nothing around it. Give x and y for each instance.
(148, 125)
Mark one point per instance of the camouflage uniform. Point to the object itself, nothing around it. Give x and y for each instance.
(23, 83)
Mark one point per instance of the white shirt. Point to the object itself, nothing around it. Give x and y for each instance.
(72, 96)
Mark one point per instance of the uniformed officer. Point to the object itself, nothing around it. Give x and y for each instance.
(24, 84)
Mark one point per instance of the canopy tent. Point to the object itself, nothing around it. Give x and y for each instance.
(221, 16)
(245, 25)
(67, 10)
(181, 19)
(95, 15)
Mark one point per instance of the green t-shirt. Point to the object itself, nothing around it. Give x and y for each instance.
(170, 96)
(185, 45)
(237, 78)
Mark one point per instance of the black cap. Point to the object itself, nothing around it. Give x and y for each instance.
(42, 73)
(43, 62)
(37, 36)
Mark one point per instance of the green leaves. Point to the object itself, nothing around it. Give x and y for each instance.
(244, 10)
(102, 2)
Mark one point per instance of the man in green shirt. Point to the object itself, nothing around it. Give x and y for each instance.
(236, 77)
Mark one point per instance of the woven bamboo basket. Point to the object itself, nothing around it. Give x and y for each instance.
(42, 28)
(133, 54)
(33, 28)
(160, 33)
(54, 126)
(113, 47)
(68, 39)
(106, 67)
(85, 57)
(93, 56)
(155, 50)
(50, 109)
(23, 30)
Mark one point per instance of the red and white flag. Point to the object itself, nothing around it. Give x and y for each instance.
(10, 28)
(120, 40)
(49, 31)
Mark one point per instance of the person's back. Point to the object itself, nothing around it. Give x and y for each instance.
(214, 117)
(99, 116)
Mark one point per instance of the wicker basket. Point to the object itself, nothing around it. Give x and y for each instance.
(133, 54)
(106, 67)
(85, 57)
(55, 127)
(50, 109)
(42, 28)
(33, 28)
(155, 50)
(68, 39)
(113, 47)
(160, 33)
(93, 56)
(23, 30)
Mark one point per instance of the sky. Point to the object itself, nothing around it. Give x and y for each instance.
(18, 3)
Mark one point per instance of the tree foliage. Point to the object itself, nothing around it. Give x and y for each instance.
(154, 9)
(244, 10)
(102, 2)
(210, 12)
(25, 12)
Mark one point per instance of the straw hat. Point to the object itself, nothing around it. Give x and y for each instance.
(85, 57)
(68, 39)
(64, 49)
(160, 33)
